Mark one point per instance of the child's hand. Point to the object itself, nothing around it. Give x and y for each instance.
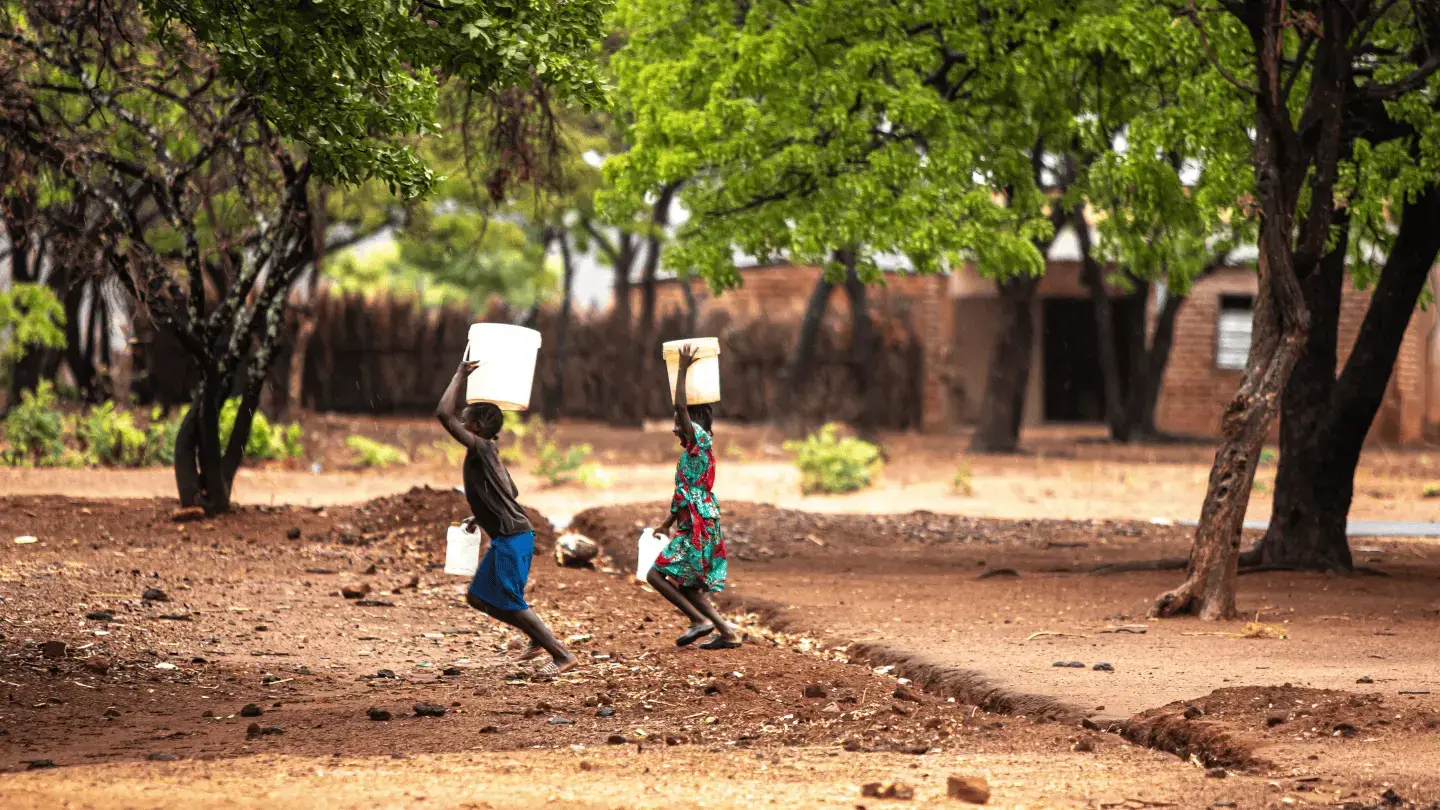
(687, 356)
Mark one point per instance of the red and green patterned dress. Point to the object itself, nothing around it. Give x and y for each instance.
(695, 557)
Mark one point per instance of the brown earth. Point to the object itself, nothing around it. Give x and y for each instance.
(148, 707)
(1343, 706)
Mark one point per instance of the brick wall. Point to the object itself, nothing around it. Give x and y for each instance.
(956, 318)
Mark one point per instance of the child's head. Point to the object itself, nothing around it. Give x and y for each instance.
(484, 419)
(700, 415)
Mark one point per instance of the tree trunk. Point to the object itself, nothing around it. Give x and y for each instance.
(78, 356)
(1105, 343)
(862, 349)
(306, 314)
(645, 350)
(692, 307)
(1144, 395)
(800, 363)
(562, 327)
(1324, 419)
(200, 476)
(1003, 408)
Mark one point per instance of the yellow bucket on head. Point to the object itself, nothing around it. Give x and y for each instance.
(702, 383)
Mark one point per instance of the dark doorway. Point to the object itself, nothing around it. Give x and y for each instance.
(1074, 389)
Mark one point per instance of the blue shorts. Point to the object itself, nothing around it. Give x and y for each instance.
(500, 580)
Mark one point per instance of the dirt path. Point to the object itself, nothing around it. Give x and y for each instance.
(148, 705)
(907, 588)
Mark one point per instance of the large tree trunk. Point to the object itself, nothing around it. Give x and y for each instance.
(1325, 420)
(1106, 344)
(800, 363)
(862, 349)
(1003, 408)
(200, 475)
(645, 349)
(307, 313)
(562, 327)
(1144, 395)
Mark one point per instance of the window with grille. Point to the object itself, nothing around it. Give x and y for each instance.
(1232, 331)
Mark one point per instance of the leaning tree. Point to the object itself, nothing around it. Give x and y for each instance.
(195, 131)
(1302, 69)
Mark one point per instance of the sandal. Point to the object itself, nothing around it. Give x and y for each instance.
(694, 634)
(553, 669)
(721, 643)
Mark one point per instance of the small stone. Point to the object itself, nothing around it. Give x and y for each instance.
(272, 731)
(605, 711)
(1102, 667)
(378, 715)
(269, 679)
(293, 534)
(198, 660)
(54, 649)
(430, 710)
(1089, 725)
(898, 791)
(253, 730)
(1365, 679)
(112, 712)
(374, 603)
(98, 664)
(260, 628)
(354, 591)
(671, 739)
(560, 721)
(615, 739)
(451, 672)
(1217, 773)
(162, 757)
(187, 514)
(1192, 711)
(815, 690)
(39, 764)
(387, 673)
(490, 730)
(99, 615)
(1344, 730)
(155, 595)
(971, 789)
(901, 693)
(1082, 746)
(250, 710)
(1275, 720)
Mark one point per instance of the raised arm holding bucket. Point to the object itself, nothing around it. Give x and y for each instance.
(694, 561)
(498, 588)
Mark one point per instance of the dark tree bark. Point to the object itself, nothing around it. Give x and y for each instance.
(1003, 408)
(862, 348)
(1144, 395)
(307, 313)
(645, 350)
(1324, 419)
(562, 325)
(800, 363)
(1107, 346)
(1286, 166)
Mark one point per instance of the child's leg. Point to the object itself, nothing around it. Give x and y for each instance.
(696, 598)
(672, 595)
(528, 623)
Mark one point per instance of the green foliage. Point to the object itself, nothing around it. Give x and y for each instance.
(375, 455)
(32, 316)
(456, 257)
(355, 81)
(834, 465)
(265, 442)
(1430, 491)
(160, 435)
(964, 481)
(552, 463)
(35, 430)
(109, 437)
(1267, 456)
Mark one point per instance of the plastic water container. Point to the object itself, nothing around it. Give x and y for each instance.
(462, 551)
(702, 384)
(506, 357)
(651, 544)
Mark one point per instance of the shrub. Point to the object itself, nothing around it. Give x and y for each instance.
(110, 437)
(375, 455)
(1430, 491)
(1267, 456)
(35, 430)
(160, 435)
(265, 442)
(963, 481)
(557, 466)
(831, 464)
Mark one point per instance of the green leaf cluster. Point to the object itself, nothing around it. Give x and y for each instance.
(833, 464)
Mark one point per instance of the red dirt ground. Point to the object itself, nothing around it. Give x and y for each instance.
(145, 708)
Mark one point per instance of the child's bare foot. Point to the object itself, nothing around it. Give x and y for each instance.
(531, 653)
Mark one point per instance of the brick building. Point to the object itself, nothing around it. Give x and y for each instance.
(957, 317)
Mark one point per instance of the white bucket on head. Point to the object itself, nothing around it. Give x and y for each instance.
(702, 383)
(462, 551)
(506, 357)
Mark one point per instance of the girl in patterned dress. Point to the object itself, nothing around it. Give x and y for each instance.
(694, 563)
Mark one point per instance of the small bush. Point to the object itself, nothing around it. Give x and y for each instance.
(963, 482)
(557, 466)
(109, 437)
(834, 465)
(1430, 491)
(160, 435)
(375, 455)
(1267, 456)
(35, 430)
(265, 442)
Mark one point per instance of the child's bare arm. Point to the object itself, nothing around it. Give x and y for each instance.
(682, 406)
(451, 402)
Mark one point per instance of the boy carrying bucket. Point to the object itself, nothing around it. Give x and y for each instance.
(498, 589)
